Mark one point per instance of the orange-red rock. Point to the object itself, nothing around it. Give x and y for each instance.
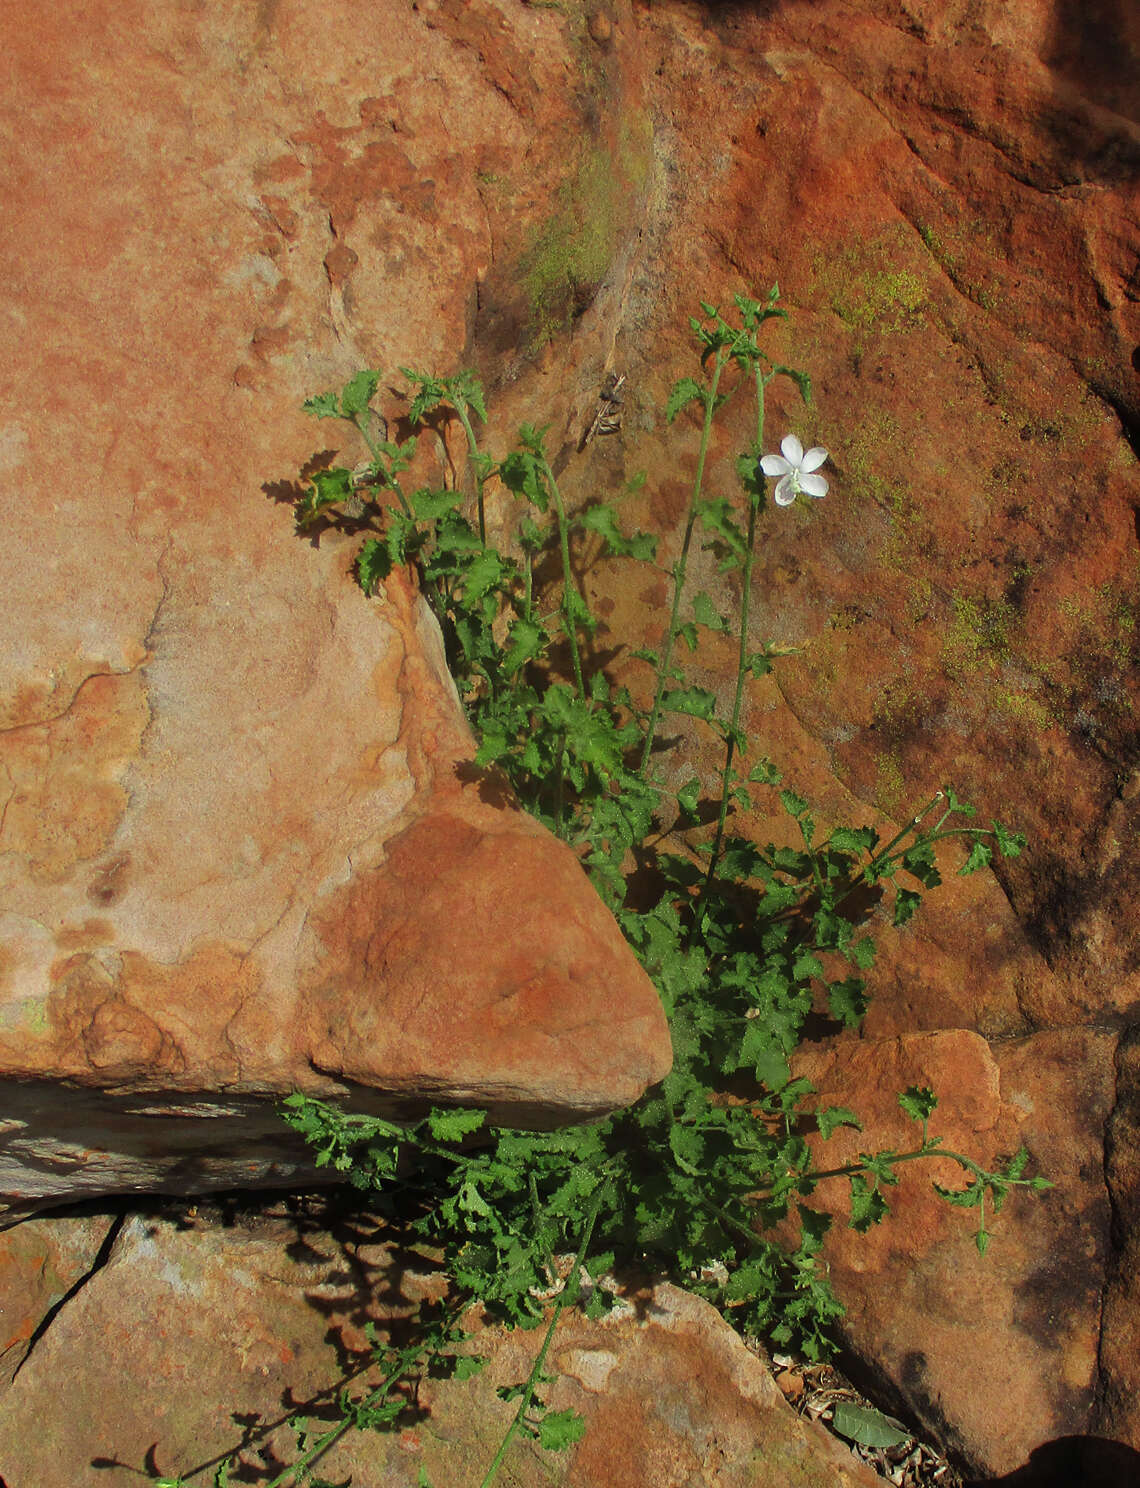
(237, 855)
(946, 196)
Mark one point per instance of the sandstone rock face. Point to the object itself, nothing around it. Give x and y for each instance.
(239, 852)
(946, 197)
(945, 193)
(189, 1323)
(996, 1354)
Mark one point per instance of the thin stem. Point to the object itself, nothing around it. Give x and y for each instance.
(742, 654)
(404, 1362)
(533, 1379)
(681, 564)
(568, 585)
(849, 1169)
(389, 480)
(884, 853)
(472, 451)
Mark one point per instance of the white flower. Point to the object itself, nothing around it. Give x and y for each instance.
(795, 471)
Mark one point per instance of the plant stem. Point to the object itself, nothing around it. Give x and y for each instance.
(472, 451)
(389, 480)
(404, 1362)
(568, 585)
(849, 1169)
(533, 1379)
(742, 654)
(682, 564)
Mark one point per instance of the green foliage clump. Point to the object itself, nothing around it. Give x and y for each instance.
(744, 942)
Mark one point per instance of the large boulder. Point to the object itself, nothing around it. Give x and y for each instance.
(243, 849)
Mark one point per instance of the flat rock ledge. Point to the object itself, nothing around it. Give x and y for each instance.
(178, 1324)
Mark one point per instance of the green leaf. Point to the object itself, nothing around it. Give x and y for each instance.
(327, 486)
(689, 795)
(602, 520)
(715, 516)
(867, 1426)
(429, 506)
(358, 392)
(794, 805)
(868, 1206)
(970, 1197)
(832, 1117)
(684, 392)
(705, 613)
(906, 902)
(765, 773)
(761, 1052)
(454, 1125)
(847, 1001)
(801, 380)
(373, 565)
(522, 473)
(525, 640)
(854, 839)
(324, 405)
(687, 632)
(918, 1102)
(759, 664)
(919, 863)
(466, 390)
(980, 856)
(687, 1147)
(558, 1430)
(697, 702)
(431, 392)
(1010, 843)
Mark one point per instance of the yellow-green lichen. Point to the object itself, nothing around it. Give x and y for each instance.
(890, 786)
(978, 636)
(1026, 708)
(874, 287)
(568, 257)
(949, 251)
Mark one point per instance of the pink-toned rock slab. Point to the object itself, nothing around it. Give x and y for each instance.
(191, 1325)
(40, 1264)
(236, 853)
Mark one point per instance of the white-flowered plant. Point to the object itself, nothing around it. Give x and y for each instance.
(796, 471)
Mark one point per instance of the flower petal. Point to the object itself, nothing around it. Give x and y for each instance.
(785, 492)
(775, 465)
(814, 485)
(792, 448)
(814, 458)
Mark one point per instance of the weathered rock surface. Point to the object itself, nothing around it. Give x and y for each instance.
(189, 1328)
(239, 850)
(946, 195)
(992, 1354)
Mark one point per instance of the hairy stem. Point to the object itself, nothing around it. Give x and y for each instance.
(526, 1400)
(681, 565)
(472, 452)
(568, 585)
(377, 454)
(742, 654)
